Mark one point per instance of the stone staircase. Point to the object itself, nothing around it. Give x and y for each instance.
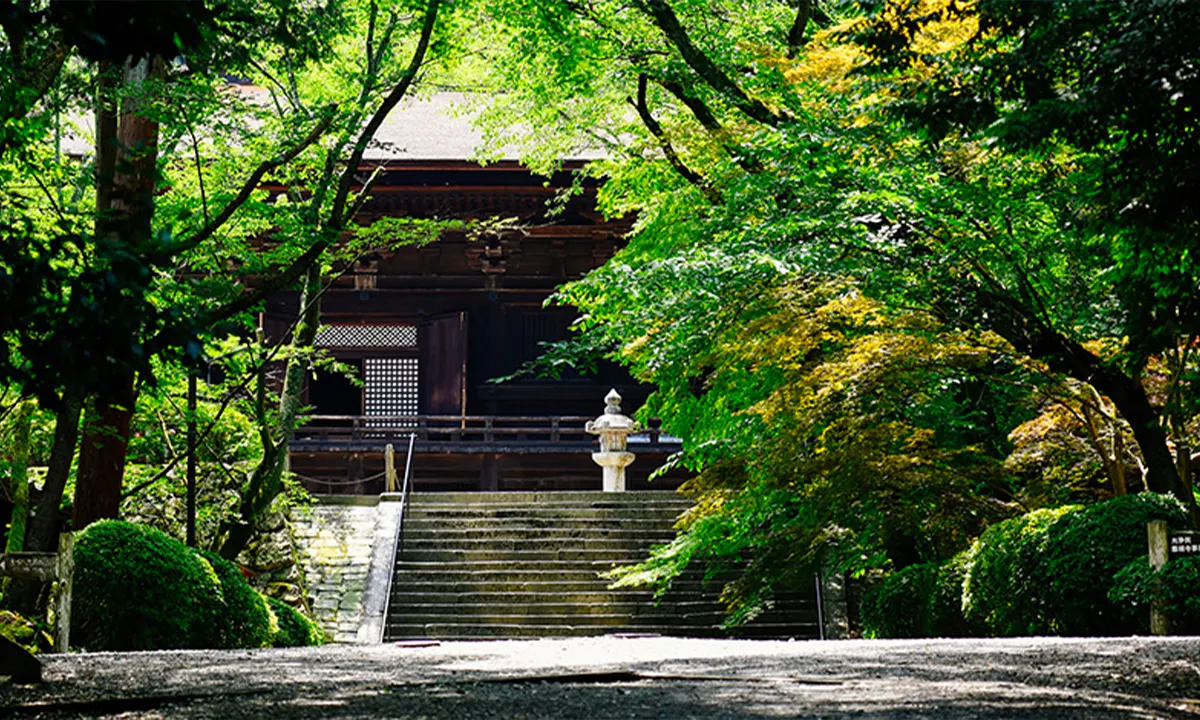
(526, 564)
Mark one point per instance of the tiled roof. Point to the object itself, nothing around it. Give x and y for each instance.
(427, 128)
(432, 127)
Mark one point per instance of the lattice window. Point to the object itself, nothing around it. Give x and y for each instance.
(390, 389)
(397, 336)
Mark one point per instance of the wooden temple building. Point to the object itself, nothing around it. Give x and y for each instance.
(427, 329)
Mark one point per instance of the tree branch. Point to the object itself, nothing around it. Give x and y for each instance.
(31, 80)
(337, 215)
(664, 143)
(709, 122)
(199, 168)
(276, 283)
(702, 65)
(252, 183)
(795, 36)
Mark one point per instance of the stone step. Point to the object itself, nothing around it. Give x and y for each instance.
(561, 605)
(550, 497)
(496, 565)
(406, 597)
(649, 533)
(548, 515)
(612, 556)
(499, 573)
(463, 584)
(614, 616)
(416, 546)
(461, 631)
(408, 570)
(522, 522)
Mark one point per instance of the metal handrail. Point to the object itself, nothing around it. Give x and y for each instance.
(398, 538)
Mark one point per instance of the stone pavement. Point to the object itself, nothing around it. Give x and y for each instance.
(611, 677)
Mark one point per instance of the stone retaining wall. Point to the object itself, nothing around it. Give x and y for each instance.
(334, 544)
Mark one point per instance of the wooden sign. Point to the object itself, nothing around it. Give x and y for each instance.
(29, 566)
(1183, 544)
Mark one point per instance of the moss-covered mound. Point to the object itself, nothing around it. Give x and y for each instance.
(293, 628)
(137, 588)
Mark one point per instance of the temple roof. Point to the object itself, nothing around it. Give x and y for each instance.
(431, 127)
(428, 128)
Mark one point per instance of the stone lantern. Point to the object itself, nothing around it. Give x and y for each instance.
(614, 430)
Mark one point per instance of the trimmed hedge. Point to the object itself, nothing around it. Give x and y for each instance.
(1086, 551)
(1177, 586)
(1073, 570)
(1050, 571)
(1004, 588)
(137, 588)
(242, 619)
(919, 601)
(293, 628)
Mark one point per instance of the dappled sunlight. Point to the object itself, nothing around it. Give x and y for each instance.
(610, 677)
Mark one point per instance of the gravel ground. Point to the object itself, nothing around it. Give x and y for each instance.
(648, 677)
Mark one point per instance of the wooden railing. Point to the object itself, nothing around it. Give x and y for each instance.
(450, 430)
(57, 567)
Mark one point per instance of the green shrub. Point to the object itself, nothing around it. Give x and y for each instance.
(240, 617)
(1177, 586)
(21, 630)
(293, 628)
(139, 589)
(1004, 589)
(1050, 571)
(919, 601)
(1086, 550)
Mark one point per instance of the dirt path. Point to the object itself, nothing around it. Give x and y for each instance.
(601, 678)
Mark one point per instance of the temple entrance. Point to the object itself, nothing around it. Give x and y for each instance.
(333, 393)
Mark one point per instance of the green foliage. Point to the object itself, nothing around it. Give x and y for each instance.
(1115, 79)
(860, 258)
(1086, 549)
(825, 430)
(294, 628)
(1005, 586)
(29, 634)
(1176, 587)
(138, 589)
(241, 619)
(918, 601)
(1050, 571)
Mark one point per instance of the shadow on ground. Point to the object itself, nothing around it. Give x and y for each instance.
(597, 679)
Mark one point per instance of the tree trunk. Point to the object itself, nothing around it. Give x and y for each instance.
(102, 456)
(42, 531)
(1129, 397)
(1188, 491)
(19, 460)
(127, 151)
(1113, 462)
(42, 535)
(1120, 486)
(1009, 318)
(267, 480)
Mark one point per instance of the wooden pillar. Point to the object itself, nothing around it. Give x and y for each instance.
(389, 468)
(65, 570)
(354, 474)
(497, 356)
(489, 473)
(1156, 532)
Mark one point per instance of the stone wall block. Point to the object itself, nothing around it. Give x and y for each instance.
(335, 544)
